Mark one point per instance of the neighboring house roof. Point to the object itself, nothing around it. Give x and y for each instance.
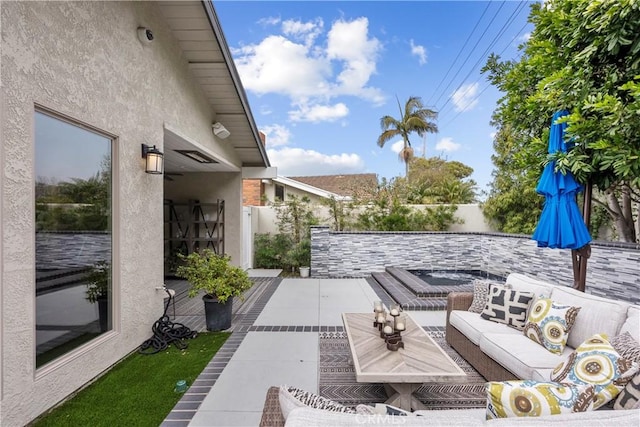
(343, 185)
(196, 27)
(308, 188)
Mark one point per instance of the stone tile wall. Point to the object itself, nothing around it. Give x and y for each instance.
(612, 271)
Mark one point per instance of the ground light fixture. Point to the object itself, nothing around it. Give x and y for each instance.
(154, 159)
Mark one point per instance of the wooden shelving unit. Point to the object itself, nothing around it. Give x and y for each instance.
(192, 226)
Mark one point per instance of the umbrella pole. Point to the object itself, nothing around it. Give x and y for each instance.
(581, 256)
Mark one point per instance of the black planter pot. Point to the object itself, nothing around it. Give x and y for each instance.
(217, 315)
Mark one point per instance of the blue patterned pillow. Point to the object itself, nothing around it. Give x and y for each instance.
(549, 324)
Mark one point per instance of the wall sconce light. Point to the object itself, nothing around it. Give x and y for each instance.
(154, 159)
(220, 131)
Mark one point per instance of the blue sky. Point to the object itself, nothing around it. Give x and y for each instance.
(320, 74)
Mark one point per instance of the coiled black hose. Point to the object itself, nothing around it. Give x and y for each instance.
(165, 333)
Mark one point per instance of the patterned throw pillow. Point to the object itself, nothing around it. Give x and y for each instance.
(507, 306)
(626, 346)
(596, 362)
(629, 398)
(291, 398)
(481, 294)
(549, 324)
(530, 398)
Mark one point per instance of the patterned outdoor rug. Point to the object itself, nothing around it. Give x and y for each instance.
(338, 380)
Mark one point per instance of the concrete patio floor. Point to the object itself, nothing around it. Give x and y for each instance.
(274, 342)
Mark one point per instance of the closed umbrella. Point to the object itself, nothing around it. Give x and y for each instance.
(561, 224)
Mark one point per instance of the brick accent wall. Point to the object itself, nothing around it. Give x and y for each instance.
(252, 191)
(613, 270)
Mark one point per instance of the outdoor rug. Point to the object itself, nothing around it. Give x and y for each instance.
(338, 380)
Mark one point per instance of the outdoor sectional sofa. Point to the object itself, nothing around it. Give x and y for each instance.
(499, 353)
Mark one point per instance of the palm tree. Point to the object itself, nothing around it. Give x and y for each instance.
(414, 118)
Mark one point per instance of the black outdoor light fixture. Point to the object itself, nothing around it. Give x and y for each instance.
(154, 159)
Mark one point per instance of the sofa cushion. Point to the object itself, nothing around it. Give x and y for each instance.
(519, 354)
(534, 399)
(292, 397)
(473, 326)
(520, 282)
(629, 397)
(578, 419)
(549, 324)
(507, 306)
(626, 346)
(632, 323)
(597, 315)
(481, 294)
(596, 362)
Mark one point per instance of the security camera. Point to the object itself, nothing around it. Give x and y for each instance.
(145, 35)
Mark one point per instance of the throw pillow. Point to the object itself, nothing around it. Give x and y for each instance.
(629, 397)
(507, 306)
(481, 294)
(549, 324)
(291, 398)
(626, 346)
(596, 362)
(530, 398)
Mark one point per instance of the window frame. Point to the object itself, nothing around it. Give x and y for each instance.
(75, 353)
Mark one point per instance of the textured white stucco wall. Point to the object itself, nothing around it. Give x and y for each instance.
(84, 60)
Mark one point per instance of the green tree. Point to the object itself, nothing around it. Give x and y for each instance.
(583, 56)
(435, 180)
(415, 118)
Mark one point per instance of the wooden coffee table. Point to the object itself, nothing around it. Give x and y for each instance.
(402, 372)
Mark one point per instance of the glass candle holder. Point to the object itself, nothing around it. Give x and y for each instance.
(400, 323)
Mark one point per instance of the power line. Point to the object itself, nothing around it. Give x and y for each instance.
(493, 42)
(460, 52)
(472, 50)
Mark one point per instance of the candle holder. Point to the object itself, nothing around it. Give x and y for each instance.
(394, 340)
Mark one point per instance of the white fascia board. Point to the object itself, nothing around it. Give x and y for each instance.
(309, 188)
(259, 173)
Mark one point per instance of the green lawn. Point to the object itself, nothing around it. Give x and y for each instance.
(139, 390)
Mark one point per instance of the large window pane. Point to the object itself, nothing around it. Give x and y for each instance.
(73, 236)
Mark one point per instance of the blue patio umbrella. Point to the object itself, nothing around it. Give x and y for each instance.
(561, 224)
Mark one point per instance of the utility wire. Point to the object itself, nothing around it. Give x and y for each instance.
(459, 52)
(488, 84)
(472, 50)
(482, 56)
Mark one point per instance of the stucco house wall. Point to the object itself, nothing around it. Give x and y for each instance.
(84, 60)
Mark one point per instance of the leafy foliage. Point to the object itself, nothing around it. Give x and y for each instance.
(270, 250)
(98, 281)
(583, 56)
(212, 273)
(435, 180)
(414, 118)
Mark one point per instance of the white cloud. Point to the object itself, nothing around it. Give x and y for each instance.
(306, 31)
(297, 161)
(295, 64)
(276, 135)
(464, 99)
(319, 113)
(397, 146)
(419, 51)
(492, 135)
(525, 37)
(270, 20)
(278, 65)
(447, 144)
(265, 110)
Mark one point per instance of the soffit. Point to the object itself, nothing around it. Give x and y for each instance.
(205, 50)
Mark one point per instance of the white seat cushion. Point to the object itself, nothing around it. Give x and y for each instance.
(597, 315)
(520, 282)
(473, 326)
(519, 354)
(632, 324)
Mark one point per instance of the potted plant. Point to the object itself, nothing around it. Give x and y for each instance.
(212, 273)
(98, 291)
(300, 256)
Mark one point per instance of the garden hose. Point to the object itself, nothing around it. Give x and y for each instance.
(165, 333)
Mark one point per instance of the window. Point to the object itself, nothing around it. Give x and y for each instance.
(280, 192)
(73, 205)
